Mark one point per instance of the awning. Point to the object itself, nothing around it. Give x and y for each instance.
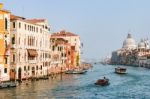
(32, 52)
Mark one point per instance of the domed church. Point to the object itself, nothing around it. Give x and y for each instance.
(129, 43)
(143, 44)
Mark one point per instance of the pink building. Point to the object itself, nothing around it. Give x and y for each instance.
(70, 44)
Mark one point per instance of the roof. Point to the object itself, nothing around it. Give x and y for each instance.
(6, 11)
(14, 17)
(59, 40)
(63, 33)
(35, 20)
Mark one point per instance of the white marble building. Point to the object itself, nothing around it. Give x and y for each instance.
(129, 43)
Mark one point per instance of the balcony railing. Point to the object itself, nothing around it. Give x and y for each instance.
(55, 62)
(13, 46)
(32, 61)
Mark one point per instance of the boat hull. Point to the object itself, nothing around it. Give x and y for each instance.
(8, 85)
(120, 70)
(76, 72)
(102, 82)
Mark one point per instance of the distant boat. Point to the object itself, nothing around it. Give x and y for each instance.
(102, 82)
(76, 71)
(45, 77)
(120, 70)
(103, 63)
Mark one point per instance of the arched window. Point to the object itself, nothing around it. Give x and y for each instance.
(53, 48)
(25, 55)
(13, 39)
(6, 44)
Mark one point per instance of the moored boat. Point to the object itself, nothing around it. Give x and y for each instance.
(102, 82)
(8, 84)
(120, 70)
(76, 71)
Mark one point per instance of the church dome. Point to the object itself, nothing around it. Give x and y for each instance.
(141, 45)
(129, 43)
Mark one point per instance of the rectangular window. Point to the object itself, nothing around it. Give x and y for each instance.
(24, 68)
(13, 39)
(6, 44)
(36, 67)
(14, 58)
(43, 55)
(41, 67)
(14, 25)
(37, 30)
(5, 70)
(28, 41)
(6, 60)
(25, 41)
(6, 23)
(40, 30)
(19, 25)
(28, 67)
(28, 28)
(68, 52)
(58, 48)
(34, 29)
(19, 41)
(53, 48)
(25, 26)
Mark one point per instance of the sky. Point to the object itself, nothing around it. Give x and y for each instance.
(102, 25)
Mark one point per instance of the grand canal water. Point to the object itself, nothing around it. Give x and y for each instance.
(133, 85)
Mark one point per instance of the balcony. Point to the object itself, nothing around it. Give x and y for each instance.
(64, 58)
(12, 62)
(55, 62)
(7, 53)
(32, 61)
(13, 46)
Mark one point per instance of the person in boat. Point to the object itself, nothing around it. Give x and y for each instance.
(104, 77)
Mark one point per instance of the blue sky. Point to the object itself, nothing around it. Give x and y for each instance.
(102, 24)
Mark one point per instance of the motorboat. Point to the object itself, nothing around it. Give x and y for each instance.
(102, 82)
(120, 70)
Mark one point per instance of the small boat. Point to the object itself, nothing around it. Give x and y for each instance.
(102, 82)
(8, 85)
(120, 70)
(45, 77)
(13, 84)
(76, 71)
